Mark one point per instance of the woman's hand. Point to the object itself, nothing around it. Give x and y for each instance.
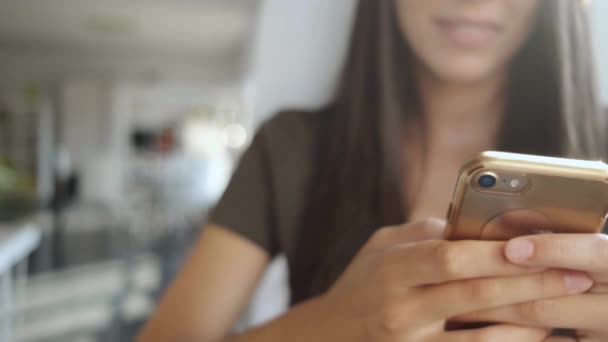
(588, 313)
(406, 282)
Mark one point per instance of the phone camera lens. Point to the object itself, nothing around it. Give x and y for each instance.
(487, 181)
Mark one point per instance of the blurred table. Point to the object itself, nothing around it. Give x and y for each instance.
(17, 241)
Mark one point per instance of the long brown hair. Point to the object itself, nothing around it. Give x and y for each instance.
(551, 109)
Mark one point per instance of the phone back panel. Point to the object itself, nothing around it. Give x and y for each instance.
(564, 195)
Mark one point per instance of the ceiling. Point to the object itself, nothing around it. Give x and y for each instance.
(211, 32)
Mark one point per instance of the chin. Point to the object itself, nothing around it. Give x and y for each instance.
(464, 72)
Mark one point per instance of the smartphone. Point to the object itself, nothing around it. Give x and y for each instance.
(555, 195)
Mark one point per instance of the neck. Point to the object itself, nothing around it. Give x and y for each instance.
(460, 106)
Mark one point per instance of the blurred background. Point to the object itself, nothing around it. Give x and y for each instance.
(120, 122)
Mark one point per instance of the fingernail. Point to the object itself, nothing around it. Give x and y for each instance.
(577, 282)
(519, 250)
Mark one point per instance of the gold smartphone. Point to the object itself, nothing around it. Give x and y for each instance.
(554, 194)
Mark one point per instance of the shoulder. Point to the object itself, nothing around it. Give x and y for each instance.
(291, 126)
(290, 135)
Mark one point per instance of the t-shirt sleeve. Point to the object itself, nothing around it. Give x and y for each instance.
(246, 207)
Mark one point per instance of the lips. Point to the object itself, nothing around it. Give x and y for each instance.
(468, 33)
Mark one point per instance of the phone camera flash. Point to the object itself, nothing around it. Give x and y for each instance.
(515, 183)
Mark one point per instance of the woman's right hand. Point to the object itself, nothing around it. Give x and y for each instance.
(406, 282)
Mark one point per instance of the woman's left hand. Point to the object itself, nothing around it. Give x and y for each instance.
(587, 313)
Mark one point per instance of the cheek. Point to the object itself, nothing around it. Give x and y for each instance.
(522, 19)
(523, 15)
(416, 25)
(414, 17)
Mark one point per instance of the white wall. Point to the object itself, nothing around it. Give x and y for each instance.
(599, 10)
(298, 51)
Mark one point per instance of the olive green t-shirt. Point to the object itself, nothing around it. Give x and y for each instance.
(266, 195)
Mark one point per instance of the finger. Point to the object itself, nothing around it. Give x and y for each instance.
(515, 223)
(435, 261)
(584, 252)
(431, 229)
(497, 333)
(457, 298)
(599, 288)
(575, 335)
(584, 312)
(582, 338)
(573, 339)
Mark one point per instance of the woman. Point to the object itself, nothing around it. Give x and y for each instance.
(428, 85)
